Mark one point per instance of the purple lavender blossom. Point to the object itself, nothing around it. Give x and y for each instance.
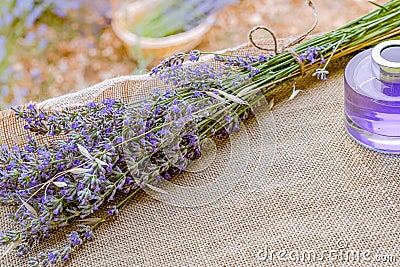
(75, 239)
(60, 7)
(3, 52)
(36, 75)
(312, 55)
(22, 7)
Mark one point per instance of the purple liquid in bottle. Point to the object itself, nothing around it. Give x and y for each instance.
(372, 98)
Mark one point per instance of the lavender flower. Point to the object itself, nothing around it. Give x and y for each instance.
(312, 55)
(3, 42)
(60, 7)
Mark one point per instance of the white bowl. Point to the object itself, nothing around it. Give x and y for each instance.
(155, 47)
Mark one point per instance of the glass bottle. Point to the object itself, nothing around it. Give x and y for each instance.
(372, 97)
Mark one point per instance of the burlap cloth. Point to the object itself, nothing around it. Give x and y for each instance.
(323, 193)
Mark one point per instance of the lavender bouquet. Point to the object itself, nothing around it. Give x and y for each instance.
(99, 156)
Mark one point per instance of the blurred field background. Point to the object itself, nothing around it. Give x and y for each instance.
(72, 45)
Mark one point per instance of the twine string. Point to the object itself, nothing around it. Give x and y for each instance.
(296, 57)
(307, 33)
(256, 28)
(287, 47)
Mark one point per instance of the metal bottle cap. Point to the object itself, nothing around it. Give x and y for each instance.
(386, 57)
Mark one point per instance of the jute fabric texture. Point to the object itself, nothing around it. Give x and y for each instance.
(320, 193)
